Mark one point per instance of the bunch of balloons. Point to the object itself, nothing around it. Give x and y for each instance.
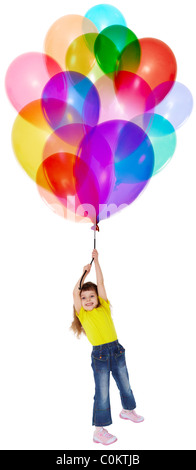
(97, 113)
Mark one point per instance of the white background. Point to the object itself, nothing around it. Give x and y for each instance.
(147, 253)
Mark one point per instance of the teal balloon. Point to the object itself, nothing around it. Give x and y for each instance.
(105, 15)
(163, 138)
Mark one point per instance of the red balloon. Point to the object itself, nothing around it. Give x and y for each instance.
(72, 182)
(157, 65)
(58, 169)
(55, 203)
(133, 93)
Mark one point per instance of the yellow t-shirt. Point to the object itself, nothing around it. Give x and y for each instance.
(98, 323)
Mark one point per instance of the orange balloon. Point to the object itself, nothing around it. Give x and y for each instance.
(63, 32)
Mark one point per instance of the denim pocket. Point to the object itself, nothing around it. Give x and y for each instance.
(120, 356)
(100, 362)
(120, 348)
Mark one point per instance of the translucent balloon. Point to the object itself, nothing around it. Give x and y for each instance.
(125, 98)
(97, 113)
(163, 138)
(95, 151)
(29, 138)
(121, 197)
(177, 105)
(67, 140)
(69, 98)
(129, 59)
(133, 164)
(122, 144)
(134, 155)
(109, 45)
(157, 64)
(67, 210)
(133, 93)
(72, 182)
(104, 15)
(95, 73)
(63, 32)
(80, 55)
(27, 76)
(110, 108)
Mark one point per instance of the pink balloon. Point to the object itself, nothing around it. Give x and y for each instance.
(27, 76)
(124, 98)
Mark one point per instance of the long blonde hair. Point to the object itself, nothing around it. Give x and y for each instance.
(76, 326)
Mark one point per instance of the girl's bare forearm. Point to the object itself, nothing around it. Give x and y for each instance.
(99, 274)
(76, 288)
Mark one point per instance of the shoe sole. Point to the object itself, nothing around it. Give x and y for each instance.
(104, 443)
(128, 419)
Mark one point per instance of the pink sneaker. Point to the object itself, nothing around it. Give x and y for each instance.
(132, 415)
(103, 437)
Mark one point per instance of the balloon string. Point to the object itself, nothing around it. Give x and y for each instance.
(96, 229)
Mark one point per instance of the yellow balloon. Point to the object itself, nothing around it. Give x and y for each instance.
(80, 55)
(29, 135)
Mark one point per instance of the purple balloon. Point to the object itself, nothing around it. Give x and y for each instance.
(120, 198)
(70, 97)
(121, 157)
(130, 145)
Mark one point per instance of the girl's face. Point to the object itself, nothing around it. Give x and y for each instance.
(89, 300)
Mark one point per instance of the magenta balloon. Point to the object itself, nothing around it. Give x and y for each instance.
(96, 152)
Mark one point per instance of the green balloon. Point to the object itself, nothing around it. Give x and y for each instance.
(109, 45)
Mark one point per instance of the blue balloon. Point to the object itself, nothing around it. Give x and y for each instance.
(105, 15)
(134, 155)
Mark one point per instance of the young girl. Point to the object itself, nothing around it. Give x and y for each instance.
(92, 316)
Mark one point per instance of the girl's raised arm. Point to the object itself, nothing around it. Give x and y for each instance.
(99, 276)
(76, 291)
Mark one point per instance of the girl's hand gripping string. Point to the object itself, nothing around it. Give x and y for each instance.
(99, 276)
(95, 256)
(87, 268)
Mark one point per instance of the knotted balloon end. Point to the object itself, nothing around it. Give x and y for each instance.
(95, 227)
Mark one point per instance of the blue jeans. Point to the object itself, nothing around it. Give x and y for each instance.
(105, 358)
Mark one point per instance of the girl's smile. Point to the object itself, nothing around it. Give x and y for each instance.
(89, 300)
